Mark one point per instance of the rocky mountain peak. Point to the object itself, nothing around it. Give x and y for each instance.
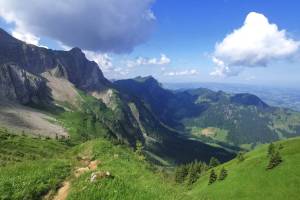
(71, 65)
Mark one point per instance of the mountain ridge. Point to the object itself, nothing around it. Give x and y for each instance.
(91, 101)
(238, 119)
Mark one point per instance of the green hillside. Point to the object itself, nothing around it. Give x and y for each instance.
(30, 167)
(249, 179)
(132, 177)
(242, 120)
(41, 177)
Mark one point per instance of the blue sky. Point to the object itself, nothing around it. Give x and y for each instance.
(182, 42)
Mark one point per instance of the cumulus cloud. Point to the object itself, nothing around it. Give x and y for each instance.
(26, 37)
(102, 59)
(257, 43)
(162, 60)
(97, 25)
(106, 64)
(190, 72)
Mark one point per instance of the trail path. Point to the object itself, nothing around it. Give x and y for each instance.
(63, 192)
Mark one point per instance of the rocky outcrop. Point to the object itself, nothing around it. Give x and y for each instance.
(71, 65)
(18, 84)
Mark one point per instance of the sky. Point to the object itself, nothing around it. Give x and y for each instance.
(227, 41)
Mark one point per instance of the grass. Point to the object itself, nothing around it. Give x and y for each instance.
(250, 179)
(216, 134)
(133, 178)
(31, 179)
(18, 148)
(30, 167)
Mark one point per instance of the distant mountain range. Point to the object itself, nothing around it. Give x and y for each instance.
(238, 119)
(279, 96)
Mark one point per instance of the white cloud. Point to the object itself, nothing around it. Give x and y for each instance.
(121, 71)
(26, 37)
(190, 72)
(162, 60)
(256, 44)
(96, 25)
(102, 59)
(105, 62)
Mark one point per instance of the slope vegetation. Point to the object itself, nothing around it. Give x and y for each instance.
(249, 179)
(240, 119)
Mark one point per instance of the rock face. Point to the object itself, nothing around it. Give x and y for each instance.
(17, 84)
(22, 65)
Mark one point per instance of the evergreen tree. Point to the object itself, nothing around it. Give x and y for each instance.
(139, 150)
(212, 177)
(223, 174)
(204, 167)
(193, 173)
(180, 173)
(240, 156)
(271, 149)
(214, 162)
(274, 160)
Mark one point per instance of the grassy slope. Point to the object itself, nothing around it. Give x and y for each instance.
(133, 178)
(30, 167)
(31, 179)
(16, 148)
(250, 179)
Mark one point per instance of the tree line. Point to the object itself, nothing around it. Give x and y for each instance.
(191, 172)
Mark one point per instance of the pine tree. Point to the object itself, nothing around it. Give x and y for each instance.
(271, 149)
(214, 162)
(212, 177)
(180, 173)
(274, 160)
(223, 174)
(193, 174)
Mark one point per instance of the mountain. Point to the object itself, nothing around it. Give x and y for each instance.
(237, 119)
(34, 62)
(66, 85)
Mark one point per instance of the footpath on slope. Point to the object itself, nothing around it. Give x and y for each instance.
(63, 191)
